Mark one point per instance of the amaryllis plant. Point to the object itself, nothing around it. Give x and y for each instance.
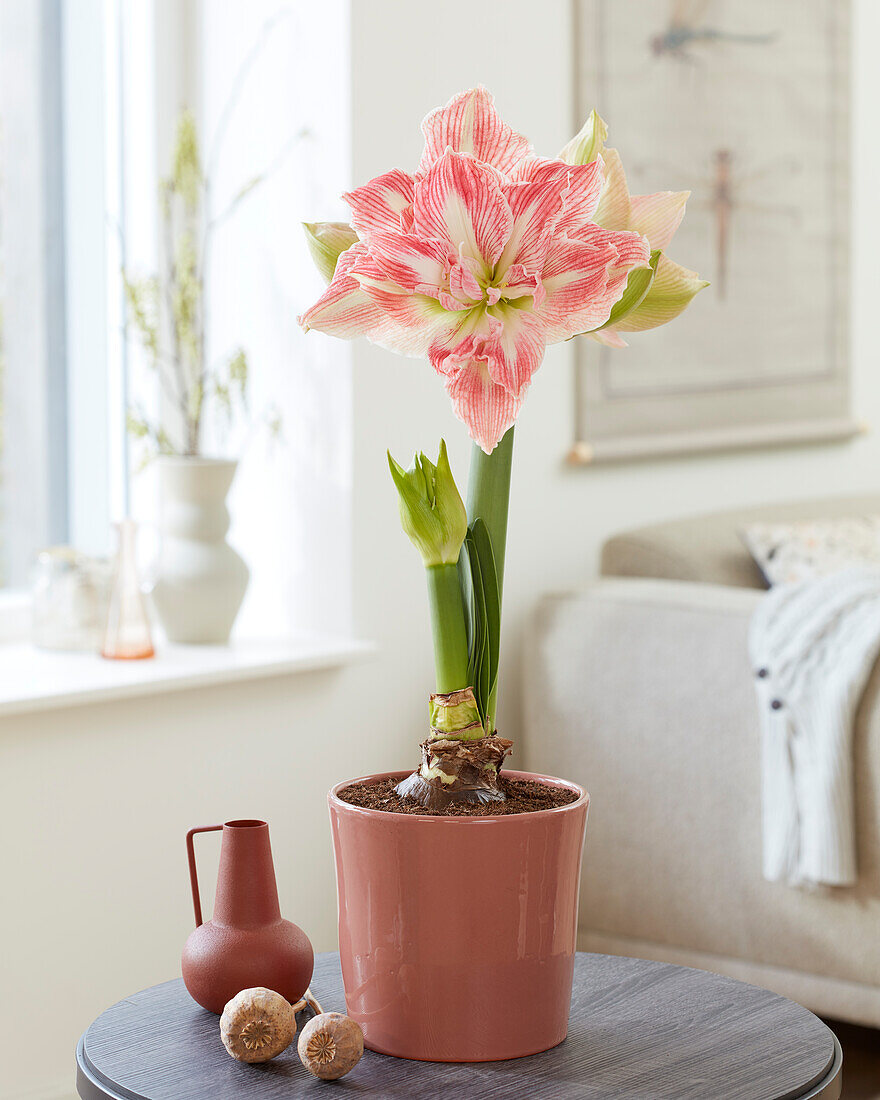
(477, 261)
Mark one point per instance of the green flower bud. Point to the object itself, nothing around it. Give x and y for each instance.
(327, 241)
(588, 143)
(432, 512)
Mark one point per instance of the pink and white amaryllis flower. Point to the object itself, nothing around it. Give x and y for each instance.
(478, 261)
(671, 287)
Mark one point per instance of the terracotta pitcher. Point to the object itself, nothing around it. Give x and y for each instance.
(247, 943)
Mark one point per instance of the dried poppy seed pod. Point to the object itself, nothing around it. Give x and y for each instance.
(330, 1045)
(257, 1024)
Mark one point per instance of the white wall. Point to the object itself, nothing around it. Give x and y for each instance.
(97, 800)
(560, 516)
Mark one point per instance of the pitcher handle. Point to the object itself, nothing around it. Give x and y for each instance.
(193, 874)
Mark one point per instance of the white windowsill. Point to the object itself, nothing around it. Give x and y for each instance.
(33, 679)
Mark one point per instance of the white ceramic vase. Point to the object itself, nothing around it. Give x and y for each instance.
(200, 580)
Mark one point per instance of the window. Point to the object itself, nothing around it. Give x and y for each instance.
(61, 416)
(283, 68)
(33, 490)
(90, 94)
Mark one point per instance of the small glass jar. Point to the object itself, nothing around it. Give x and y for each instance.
(69, 600)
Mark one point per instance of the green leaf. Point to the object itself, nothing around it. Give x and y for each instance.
(238, 374)
(478, 659)
(186, 178)
(467, 595)
(491, 599)
(485, 633)
(142, 298)
(137, 427)
(637, 286)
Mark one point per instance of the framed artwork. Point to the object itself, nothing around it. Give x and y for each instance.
(745, 103)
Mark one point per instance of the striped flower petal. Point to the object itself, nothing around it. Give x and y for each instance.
(584, 278)
(460, 200)
(517, 282)
(464, 286)
(469, 340)
(614, 210)
(581, 186)
(535, 207)
(469, 123)
(419, 317)
(352, 306)
(658, 216)
(378, 205)
(412, 262)
(343, 309)
(517, 348)
(508, 340)
(485, 407)
(607, 336)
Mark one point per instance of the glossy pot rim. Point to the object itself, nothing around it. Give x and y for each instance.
(335, 802)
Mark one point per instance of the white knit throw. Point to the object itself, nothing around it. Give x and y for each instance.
(813, 646)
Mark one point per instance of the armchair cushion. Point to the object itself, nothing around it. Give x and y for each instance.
(709, 548)
(790, 552)
(642, 691)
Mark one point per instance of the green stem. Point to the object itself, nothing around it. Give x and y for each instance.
(449, 628)
(488, 499)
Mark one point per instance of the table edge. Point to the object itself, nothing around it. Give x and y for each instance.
(829, 1088)
(91, 1083)
(831, 1085)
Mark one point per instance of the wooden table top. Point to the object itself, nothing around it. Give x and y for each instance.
(639, 1031)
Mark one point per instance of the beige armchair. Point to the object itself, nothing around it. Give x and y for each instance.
(645, 679)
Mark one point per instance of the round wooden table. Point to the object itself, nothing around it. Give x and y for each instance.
(639, 1031)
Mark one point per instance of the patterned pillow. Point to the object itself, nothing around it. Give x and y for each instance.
(789, 552)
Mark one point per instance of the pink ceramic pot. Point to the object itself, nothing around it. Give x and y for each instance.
(457, 935)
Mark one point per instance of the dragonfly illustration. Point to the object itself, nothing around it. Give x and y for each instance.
(724, 188)
(687, 28)
(724, 192)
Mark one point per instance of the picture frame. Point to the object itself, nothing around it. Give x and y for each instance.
(761, 357)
